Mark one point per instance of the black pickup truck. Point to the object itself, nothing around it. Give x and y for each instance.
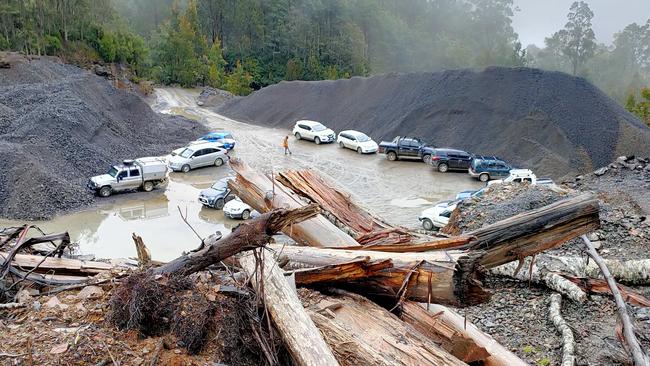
(406, 148)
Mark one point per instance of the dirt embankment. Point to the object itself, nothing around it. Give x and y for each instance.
(552, 122)
(59, 125)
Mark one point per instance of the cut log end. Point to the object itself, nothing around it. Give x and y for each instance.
(468, 280)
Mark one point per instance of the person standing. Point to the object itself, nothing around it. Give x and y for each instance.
(285, 144)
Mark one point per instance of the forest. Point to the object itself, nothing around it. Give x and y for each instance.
(242, 45)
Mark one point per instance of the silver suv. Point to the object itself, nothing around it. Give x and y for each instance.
(199, 155)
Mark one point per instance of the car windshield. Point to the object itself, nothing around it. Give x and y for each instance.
(186, 153)
(362, 138)
(220, 186)
(318, 127)
(112, 172)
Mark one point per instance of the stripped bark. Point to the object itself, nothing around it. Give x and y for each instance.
(249, 235)
(633, 345)
(299, 334)
(438, 244)
(568, 344)
(459, 337)
(361, 332)
(265, 194)
(600, 287)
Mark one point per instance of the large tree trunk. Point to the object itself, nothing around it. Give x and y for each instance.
(248, 235)
(459, 337)
(265, 194)
(361, 332)
(299, 334)
(453, 277)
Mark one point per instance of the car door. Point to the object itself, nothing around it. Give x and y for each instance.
(406, 148)
(308, 133)
(352, 142)
(503, 170)
(452, 160)
(464, 161)
(195, 160)
(122, 180)
(134, 179)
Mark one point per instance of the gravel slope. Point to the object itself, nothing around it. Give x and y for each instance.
(60, 125)
(550, 121)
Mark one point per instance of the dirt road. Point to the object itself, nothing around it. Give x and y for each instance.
(397, 191)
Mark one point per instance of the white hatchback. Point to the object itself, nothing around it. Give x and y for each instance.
(357, 141)
(312, 130)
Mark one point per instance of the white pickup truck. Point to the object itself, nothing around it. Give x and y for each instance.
(142, 173)
(522, 175)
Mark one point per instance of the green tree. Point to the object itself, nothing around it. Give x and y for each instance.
(216, 64)
(238, 82)
(577, 39)
(641, 108)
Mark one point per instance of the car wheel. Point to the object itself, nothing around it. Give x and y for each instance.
(218, 162)
(359, 151)
(185, 168)
(427, 224)
(341, 145)
(317, 140)
(218, 204)
(298, 137)
(442, 168)
(147, 186)
(245, 215)
(427, 159)
(105, 191)
(391, 156)
(484, 177)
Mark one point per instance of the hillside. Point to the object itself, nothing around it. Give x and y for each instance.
(550, 121)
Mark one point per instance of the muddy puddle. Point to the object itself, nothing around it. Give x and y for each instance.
(396, 191)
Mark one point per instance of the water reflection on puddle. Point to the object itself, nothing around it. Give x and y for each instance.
(105, 231)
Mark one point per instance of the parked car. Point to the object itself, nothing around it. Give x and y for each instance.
(237, 209)
(357, 141)
(312, 130)
(217, 195)
(469, 194)
(523, 175)
(143, 173)
(406, 148)
(199, 155)
(485, 168)
(450, 159)
(223, 137)
(438, 215)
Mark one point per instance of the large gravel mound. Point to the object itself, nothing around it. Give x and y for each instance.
(549, 121)
(60, 125)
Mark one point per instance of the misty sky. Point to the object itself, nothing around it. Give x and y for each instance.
(541, 18)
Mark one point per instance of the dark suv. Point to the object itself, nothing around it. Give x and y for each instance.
(450, 159)
(489, 167)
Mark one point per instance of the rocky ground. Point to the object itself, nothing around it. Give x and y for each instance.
(517, 314)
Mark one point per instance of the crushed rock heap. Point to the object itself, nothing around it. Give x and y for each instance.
(60, 124)
(552, 122)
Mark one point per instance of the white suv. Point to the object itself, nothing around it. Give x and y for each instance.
(358, 141)
(312, 130)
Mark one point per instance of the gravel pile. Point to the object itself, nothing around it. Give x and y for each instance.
(59, 125)
(517, 314)
(548, 121)
(211, 97)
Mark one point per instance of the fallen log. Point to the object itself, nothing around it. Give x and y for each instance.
(249, 235)
(537, 230)
(633, 345)
(459, 337)
(265, 194)
(439, 244)
(299, 334)
(600, 287)
(454, 277)
(568, 344)
(59, 265)
(361, 332)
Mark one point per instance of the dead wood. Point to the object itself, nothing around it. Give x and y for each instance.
(249, 235)
(600, 287)
(144, 256)
(265, 194)
(633, 346)
(459, 337)
(361, 332)
(298, 332)
(568, 344)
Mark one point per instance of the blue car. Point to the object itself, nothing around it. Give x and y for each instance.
(223, 137)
